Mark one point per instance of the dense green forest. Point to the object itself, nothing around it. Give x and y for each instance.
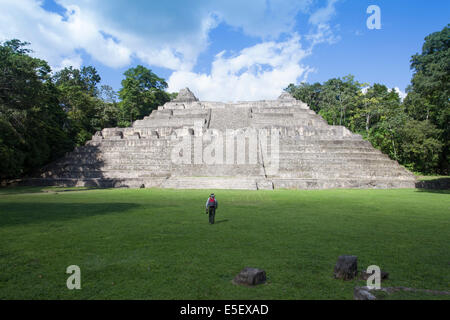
(44, 114)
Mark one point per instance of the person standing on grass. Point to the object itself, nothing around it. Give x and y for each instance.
(211, 206)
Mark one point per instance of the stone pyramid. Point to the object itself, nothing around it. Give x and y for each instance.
(214, 145)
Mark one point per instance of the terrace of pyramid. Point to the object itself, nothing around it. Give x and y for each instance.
(191, 144)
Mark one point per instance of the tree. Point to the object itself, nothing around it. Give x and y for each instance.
(32, 125)
(86, 79)
(373, 106)
(420, 148)
(108, 107)
(79, 96)
(429, 94)
(308, 93)
(142, 91)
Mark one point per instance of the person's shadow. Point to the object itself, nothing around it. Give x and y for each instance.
(221, 221)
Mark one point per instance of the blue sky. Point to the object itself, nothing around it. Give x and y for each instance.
(228, 49)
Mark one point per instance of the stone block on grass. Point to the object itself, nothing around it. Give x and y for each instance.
(346, 267)
(250, 277)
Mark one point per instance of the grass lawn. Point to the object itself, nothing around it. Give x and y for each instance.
(157, 244)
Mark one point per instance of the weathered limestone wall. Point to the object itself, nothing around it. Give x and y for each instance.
(244, 145)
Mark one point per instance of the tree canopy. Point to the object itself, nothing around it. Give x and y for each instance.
(429, 93)
(32, 124)
(142, 91)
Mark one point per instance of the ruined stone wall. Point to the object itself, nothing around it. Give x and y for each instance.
(245, 145)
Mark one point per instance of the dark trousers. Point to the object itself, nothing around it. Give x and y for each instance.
(212, 214)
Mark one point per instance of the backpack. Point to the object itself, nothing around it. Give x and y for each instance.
(212, 202)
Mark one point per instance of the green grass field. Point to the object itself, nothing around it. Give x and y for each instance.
(157, 244)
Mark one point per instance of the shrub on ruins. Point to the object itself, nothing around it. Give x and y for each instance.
(32, 125)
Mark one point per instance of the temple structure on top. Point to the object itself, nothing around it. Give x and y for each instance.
(268, 144)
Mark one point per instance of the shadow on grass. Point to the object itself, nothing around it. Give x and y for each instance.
(24, 190)
(440, 185)
(433, 191)
(20, 190)
(221, 221)
(16, 213)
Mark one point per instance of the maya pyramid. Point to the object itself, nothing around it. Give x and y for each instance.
(266, 144)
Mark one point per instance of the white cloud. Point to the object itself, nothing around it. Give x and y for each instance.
(56, 40)
(172, 35)
(401, 93)
(262, 18)
(320, 20)
(323, 15)
(365, 89)
(258, 72)
(322, 34)
(162, 34)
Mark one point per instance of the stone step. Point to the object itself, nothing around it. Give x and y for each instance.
(155, 151)
(334, 155)
(136, 149)
(136, 171)
(282, 155)
(336, 171)
(284, 158)
(119, 167)
(218, 170)
(329, 150)
(171, 122)
(327, 142)
(295, 116)
(260, 124)
(342, 183)
(137, 162)
(142, 143)
(283, 110)
(107, 174)
(166, 113)
(224, 183)
(311, 127)
(117, 155)
(153, 182)
(348, 174)
(333, 162)
(211, 183)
